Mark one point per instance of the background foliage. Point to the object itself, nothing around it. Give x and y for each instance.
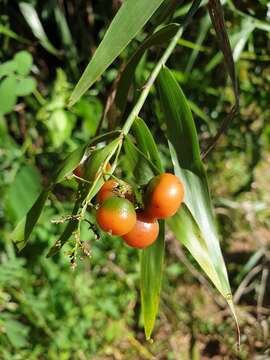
(47, 309)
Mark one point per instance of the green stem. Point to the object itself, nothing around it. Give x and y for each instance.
(39, 97)
(139, 104)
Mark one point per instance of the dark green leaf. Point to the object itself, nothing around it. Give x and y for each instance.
(97, 158)
(23, 192)
(21, 233)
(146, 142)
(69, 164)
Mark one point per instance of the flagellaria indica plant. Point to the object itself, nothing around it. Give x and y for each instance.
(138, 213)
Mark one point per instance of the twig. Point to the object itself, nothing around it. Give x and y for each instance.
(241, 288)
(109, 102)
(217, 18)
(262, 288)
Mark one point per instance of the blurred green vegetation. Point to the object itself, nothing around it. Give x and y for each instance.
(50, 309)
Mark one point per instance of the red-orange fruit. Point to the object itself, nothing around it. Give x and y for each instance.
(144, 233)
(116, 215)
(164, 195)
(115, 188)
(78, 171)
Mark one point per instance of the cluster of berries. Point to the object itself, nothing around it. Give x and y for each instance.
(116, 213)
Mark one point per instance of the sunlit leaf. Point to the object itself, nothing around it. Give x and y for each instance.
(34, 23)
(188, 166)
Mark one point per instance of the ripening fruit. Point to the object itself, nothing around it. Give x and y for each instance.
(78, 171)
(115, 188)
(144, 232)
(163, 196)
(116, 216)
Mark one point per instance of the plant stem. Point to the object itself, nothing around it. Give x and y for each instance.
(139, 104)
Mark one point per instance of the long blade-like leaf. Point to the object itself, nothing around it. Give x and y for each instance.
(126, 24)
(152, 257)
(151, 277)
(33, 21)
(21, 233)
(188, 166)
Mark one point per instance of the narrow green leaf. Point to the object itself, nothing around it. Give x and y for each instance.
(23, 230)
(6, 31)
(21, 233)
(151, 278)
(129, 20)
(188, 166)
(135, 156)
(23, 192)
(34, 23)
(202, 32)
(131, 155)
(238, 41)
(146, 142)
(151, 257)
(69, 164)
(97, 158)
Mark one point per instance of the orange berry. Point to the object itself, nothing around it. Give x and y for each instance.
(115, 188)
(78, 171)
(144, 232)
(163, 196)
(116, 216)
